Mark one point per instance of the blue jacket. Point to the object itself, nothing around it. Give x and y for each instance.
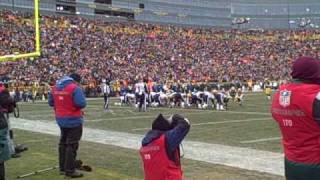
(78, 99)
(173, 137)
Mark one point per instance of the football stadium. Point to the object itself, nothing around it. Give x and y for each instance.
(160, 89)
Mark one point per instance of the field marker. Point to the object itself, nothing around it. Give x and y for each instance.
(111, 111)
(36, 141)
(136, 117)
(255, 105)
(232, 121)
(260, 140)
(138, 129)
(120, 118)
(200, 111)
(239, 157)
(217, 122)
(130, 111)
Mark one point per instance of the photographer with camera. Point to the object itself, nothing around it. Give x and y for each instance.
(6, 106)
(160, 151)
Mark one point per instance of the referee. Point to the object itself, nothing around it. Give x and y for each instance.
(106, 92)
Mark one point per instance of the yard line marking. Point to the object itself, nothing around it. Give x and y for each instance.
(192, 110)
(260, 140)
(120, 118)
(239, 157)
(111, 111)
(217, 122)
(36, 141)
(138, 129)
(136, 117)
(243, 112)
(232, 121)
(41, 115)
(255, 105)
(130, 111)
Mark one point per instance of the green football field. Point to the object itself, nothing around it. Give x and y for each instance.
(249, 126)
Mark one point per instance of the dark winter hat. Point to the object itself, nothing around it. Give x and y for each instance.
(175, 118)
(161, 123)
(76, 77)
(306, 68)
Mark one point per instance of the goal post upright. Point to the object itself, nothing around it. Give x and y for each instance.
(37, 26)
(14, 57)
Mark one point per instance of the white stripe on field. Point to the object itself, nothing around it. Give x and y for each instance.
(245, 158)
(138, 129)
(130, 111)
(111, 111)
(139, 117)
(120, 118)
(179, 109)
(232, 121)
(260, 140)
(218, 122)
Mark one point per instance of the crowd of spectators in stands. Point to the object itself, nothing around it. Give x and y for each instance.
(124, 51)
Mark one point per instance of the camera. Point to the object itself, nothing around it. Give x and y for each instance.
(8, 104)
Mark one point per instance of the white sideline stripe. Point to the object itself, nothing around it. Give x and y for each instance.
(244, 158)
(260, 140)
(217, 122)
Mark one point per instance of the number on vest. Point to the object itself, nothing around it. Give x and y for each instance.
(147, 156)
(287, 122)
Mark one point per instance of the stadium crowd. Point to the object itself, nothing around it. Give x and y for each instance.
(120, 51)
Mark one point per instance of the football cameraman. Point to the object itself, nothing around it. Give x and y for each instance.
(160, 151)
(6, 106)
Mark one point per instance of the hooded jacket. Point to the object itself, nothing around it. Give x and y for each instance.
(160, 151)
(78, 99)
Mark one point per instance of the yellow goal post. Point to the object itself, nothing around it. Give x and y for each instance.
(16, 56)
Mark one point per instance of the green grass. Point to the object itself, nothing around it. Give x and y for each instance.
(112, 162)
(108, 162)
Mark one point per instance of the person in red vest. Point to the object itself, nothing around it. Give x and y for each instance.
(6, 106)
(2, 88)
(296, 108)
(160, 152)
(67, 99)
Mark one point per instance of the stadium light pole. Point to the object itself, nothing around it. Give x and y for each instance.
(288, 10)
(12, 4)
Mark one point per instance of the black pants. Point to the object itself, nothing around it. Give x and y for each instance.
(2, 171)
(142, 102)
(106, 101)
(299, 171)
(68, 146)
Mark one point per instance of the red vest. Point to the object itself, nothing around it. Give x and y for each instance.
(63, 102)
(292, 108)
(157, 165)
(2, 88)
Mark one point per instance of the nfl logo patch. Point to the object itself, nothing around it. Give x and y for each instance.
(284, 99)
